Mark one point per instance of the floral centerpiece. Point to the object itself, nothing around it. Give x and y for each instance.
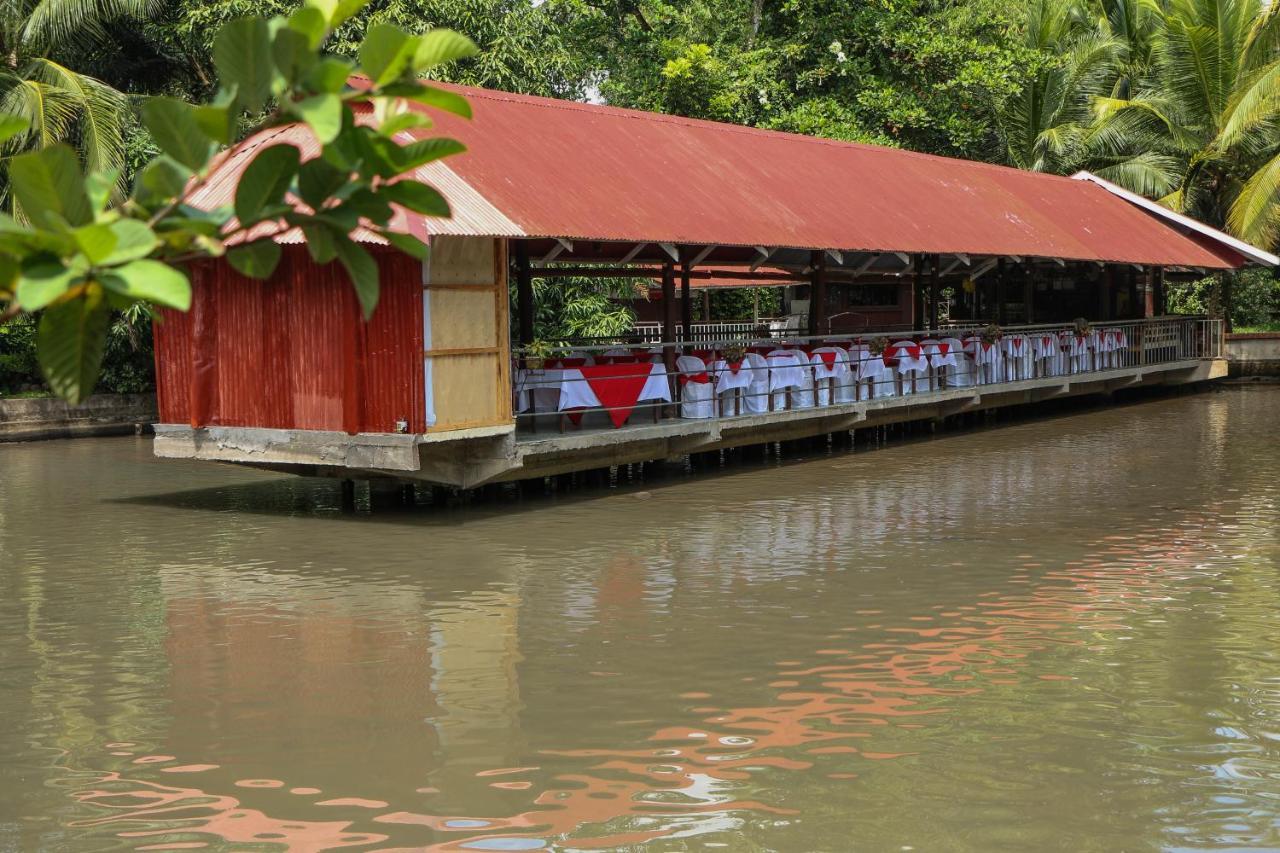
(991, 334)
(877, 346)
(1081, 326)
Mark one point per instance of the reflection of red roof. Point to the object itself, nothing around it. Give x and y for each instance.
(539, 167)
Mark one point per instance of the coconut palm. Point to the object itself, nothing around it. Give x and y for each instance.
(1211, 111)
(59, 103)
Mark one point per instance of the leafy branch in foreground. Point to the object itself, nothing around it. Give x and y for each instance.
(74, 257)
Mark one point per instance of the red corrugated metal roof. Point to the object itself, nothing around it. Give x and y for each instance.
(544, 168)
(564, 169)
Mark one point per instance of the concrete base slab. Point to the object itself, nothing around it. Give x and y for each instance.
(470, 458)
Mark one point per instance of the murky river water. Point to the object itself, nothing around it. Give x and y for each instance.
(1062, 634)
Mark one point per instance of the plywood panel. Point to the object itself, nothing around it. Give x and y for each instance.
(461, 260)
(463, 318)
(465, 387)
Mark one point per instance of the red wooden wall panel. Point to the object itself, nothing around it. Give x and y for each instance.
(293, 352)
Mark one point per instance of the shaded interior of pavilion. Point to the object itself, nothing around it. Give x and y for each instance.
(862, 325)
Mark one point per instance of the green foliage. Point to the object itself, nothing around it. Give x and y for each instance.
(738, 305)
(567, 309)
(901, 72)
(76, 257)
(1178, 100)
(1254, 296)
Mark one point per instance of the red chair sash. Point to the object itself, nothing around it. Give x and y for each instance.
(828, 358)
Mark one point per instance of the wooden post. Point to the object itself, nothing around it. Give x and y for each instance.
(1160, 295)
(917, 292)
(669, 318)
(524, 293)
(686, 302)
(1104, 292)
(1136, 309)
(1226, 282)
(1000, 291)
(934, 274)
(817, 291)
(1029, 297)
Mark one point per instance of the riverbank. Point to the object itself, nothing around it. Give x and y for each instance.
(1254, 356)
(39, 418)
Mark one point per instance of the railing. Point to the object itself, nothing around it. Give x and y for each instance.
(651, 330)
(732, 376)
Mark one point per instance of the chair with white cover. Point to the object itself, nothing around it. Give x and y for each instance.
(987, 359)
(913, 367)
(697, 394)
(789, 378)
(756, 401)
(960, 373)
(830, 368)
(940, 356)
(880, 376)
(1018, 357)
(1046, 354)
(848, 391)
(732, 382)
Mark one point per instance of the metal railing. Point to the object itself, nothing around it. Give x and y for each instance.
(701, 379)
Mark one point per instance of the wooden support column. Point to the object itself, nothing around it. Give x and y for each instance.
(1136, 289)
(1226, 283)
(1000, 291)
(1159, 295)
(686, 302)
(524, 293)
(917, 292)
(817, 292)
(1029, 298)
(669, 317)
(1105, 286)
(934, 295)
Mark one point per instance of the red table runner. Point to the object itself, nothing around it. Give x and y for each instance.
(617, 387)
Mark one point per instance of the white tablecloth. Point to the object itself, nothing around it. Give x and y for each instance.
(569, 389)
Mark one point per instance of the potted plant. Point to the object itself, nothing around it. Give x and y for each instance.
(536, 354)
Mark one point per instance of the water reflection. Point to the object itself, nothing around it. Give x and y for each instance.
(1060, 635)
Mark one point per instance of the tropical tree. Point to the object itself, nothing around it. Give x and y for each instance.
(1212, 112)
(57, 103)
(79, 257)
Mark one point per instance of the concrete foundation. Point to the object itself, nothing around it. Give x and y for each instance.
(470, 458)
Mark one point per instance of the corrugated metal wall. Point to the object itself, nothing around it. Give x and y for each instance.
(292, 352)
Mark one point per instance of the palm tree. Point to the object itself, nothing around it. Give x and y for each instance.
(59, 103)
(1210, 111)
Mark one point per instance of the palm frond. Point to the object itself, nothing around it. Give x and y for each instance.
(50, 112)
(51, 23)
(1255, 213)
(1255, 103)
(1146, 173)
(101, 113)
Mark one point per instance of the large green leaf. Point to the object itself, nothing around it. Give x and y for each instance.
(293, 52)
(255, 260)
(317, 181)
(440, 46)
(323, 114)
(363, 271)
(152, 281)
(43, 281)
(329, 74)
(174, 128)
(309, 22)
(450, 102)
(407, 243)
(265, 182)
(242, 54)
(50, 182)
(386, 52)
(423, 151)
(320, 242)
(70, 342)
(99, 186)
(161, 179)
(134, 240)
(417, 197)
(96, 241)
